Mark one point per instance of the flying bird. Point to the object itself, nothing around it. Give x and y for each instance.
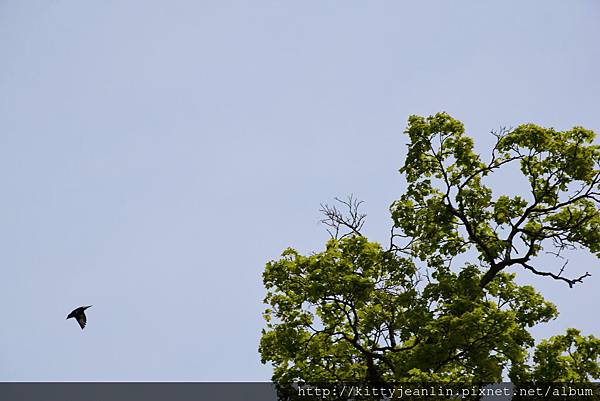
(79, 314)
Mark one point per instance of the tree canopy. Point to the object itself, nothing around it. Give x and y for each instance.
(437, 303)
(447, 209)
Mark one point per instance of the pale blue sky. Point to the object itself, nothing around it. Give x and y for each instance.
(155, 154)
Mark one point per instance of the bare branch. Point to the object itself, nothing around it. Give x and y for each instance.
(558, 276)
(349, 219)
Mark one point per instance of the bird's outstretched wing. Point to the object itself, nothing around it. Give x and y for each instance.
(81, 319)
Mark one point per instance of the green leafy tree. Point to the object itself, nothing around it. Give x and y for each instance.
(437, 304)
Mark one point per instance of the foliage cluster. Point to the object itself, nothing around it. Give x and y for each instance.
(362, 311)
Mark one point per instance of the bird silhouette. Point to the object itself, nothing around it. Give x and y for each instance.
(79, 315)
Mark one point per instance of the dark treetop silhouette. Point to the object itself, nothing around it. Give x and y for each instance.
(79, 314)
